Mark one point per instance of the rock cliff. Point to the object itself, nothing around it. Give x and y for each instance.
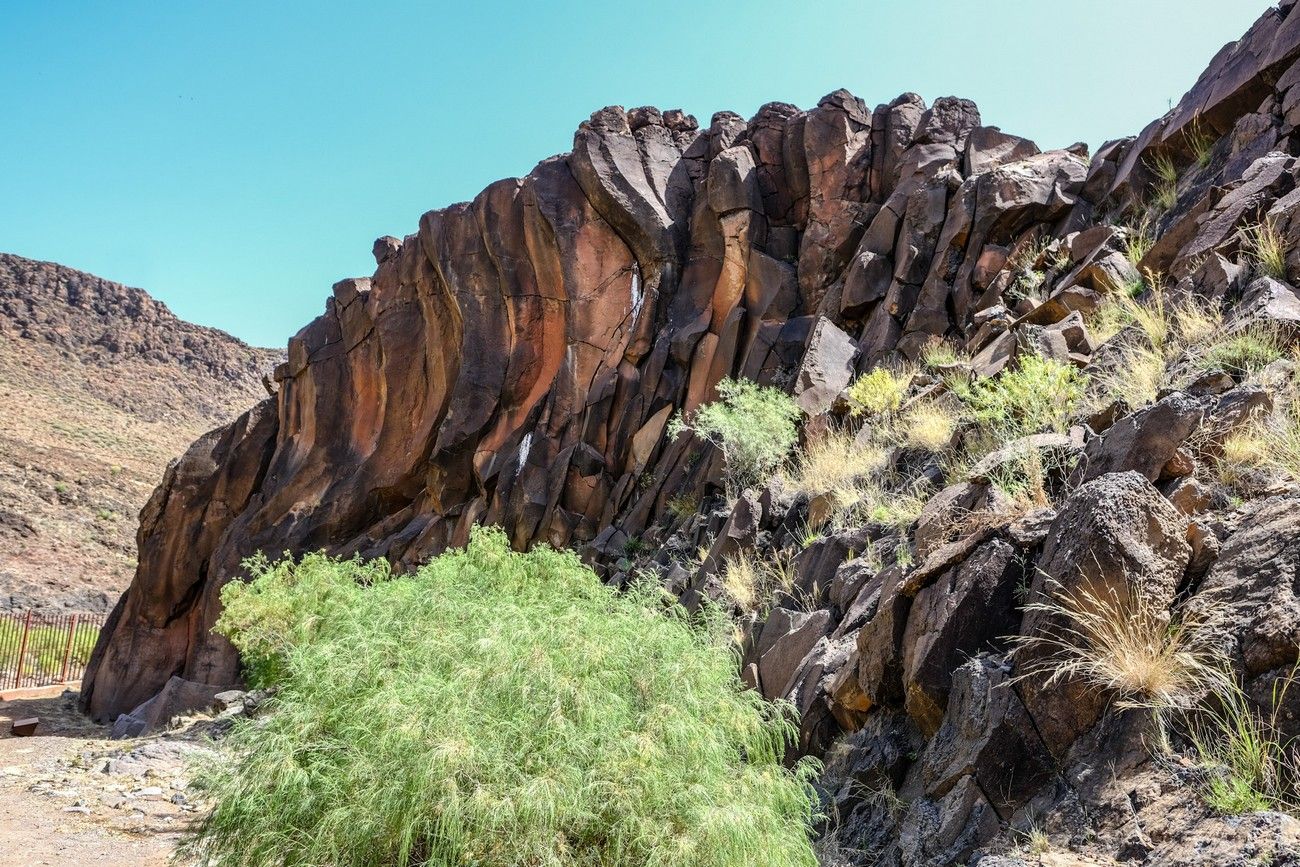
(517, 359)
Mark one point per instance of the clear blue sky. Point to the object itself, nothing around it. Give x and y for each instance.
(236, 158)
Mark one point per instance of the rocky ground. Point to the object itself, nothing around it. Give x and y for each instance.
(69, 795)
(100, 387)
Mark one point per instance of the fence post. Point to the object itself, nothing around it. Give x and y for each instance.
(22, 649)
(67, 653)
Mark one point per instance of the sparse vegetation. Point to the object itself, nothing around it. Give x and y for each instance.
(1202, 145)
(751, 580)
(683, 505)
(1250, 764)
(1037, 395)
(752, 425)
(1244, 351)
(1165, 191)
(1139, 238)
(374, 750)
(1023, 480)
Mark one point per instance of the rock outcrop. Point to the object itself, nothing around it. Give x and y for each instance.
(517, 360)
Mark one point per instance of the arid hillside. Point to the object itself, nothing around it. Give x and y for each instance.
(100, 386)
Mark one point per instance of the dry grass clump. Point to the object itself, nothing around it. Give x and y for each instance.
(897, 509)
(928, 426)
(751, 580)
(1166, 187)
(1202, 144)
(1265, 248)
(937, 356)
(1268, 445)
(834, 462)
(1165, 331)
(1123, 641)
(1137, 377)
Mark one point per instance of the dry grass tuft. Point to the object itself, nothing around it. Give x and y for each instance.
(1127, 643)
(1166, 187)
(1266, 248)
(751, 580)
(928, 426)
(833, 462)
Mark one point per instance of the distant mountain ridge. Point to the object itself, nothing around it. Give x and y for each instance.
(100, 386)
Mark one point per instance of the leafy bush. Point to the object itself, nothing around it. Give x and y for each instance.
(495, 708)
(1038, 395)
(753, 426)
(878, 392)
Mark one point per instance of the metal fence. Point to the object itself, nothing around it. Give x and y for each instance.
(39, 649)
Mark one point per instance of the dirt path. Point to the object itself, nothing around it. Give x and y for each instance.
(68, 796)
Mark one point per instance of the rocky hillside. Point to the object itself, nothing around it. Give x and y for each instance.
(1048, 422)
(100, 386)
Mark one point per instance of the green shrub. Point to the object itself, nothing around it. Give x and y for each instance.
(493, 709)
(879, 392)
(1038, 395)
(753, 426)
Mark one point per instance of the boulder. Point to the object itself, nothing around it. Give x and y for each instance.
(1113, 536)
(826, 369)
(989, 736)
(784, 644)
(970, 609)
(1252, 593)
(1144, 442)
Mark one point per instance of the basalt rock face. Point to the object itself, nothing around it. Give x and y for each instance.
(516, 361)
